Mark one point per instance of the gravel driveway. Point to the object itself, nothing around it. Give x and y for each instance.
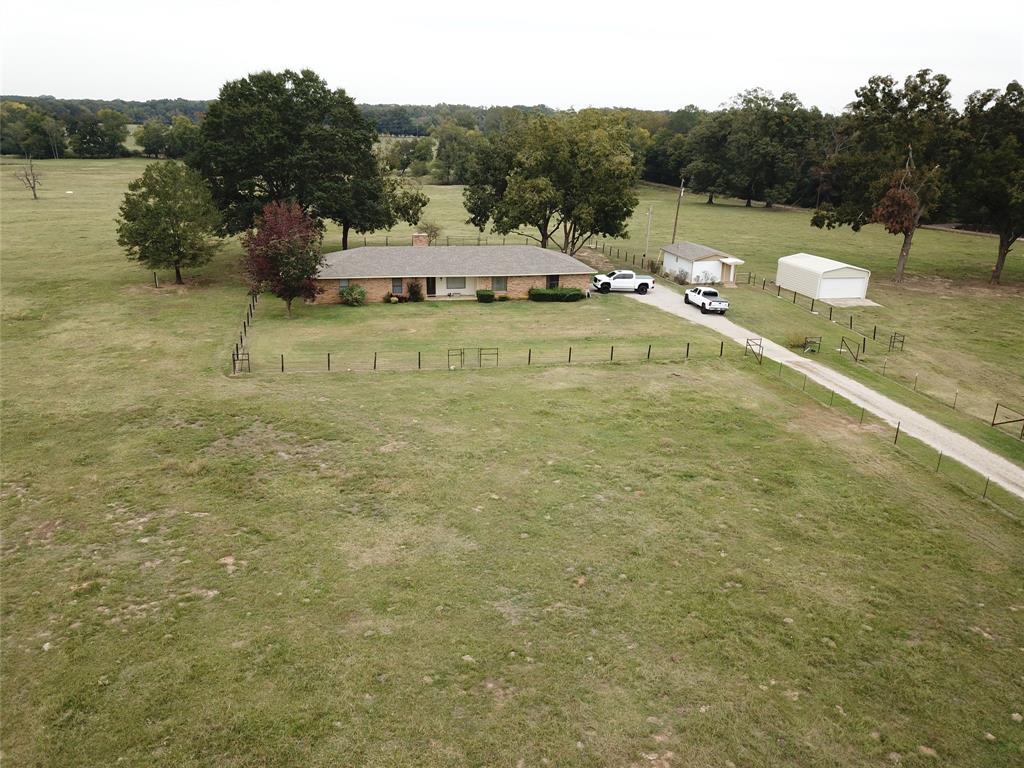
(1001, 471)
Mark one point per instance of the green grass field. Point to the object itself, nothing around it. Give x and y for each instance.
(634, 564)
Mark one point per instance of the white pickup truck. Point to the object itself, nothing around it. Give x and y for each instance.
(623, 280)
(707, 299)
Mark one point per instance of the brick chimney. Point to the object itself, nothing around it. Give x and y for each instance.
(421, 239)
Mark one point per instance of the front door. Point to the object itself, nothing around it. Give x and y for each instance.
(431, 286)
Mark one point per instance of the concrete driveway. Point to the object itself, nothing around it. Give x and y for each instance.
(1001, 471)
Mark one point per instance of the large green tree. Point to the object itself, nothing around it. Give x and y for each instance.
(704, 156)
(99, 135)
(890, 169)
(152, 137)
(988, 167)
(288, 136)
(569, 177)
(168, 219)
(456, 145)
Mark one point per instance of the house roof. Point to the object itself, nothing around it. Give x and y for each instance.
(450, 261)
(818, 264)
(694, 252)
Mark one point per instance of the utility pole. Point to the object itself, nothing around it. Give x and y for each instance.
(647, 240)
(679, 200)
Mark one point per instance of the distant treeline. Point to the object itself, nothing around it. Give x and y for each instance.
(134, 111)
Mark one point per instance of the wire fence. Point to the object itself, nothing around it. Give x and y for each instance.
(973, 483)
(878, 351)
(433, 358)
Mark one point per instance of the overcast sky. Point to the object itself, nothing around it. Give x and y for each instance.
(564, 54)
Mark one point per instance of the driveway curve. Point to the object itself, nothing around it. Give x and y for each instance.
(1000, 470)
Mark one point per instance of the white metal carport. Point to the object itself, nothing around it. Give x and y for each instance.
(820, 278)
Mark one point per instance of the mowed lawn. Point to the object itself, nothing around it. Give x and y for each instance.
(665, 564)
(961, 333)
(404, 336)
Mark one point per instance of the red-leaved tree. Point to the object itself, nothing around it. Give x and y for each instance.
(282, 254)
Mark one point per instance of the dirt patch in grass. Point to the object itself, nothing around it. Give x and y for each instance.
(371, 545)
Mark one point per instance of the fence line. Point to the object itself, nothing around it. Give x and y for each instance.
(971, 482)
(459, 358)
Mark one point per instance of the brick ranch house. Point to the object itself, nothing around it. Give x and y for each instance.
(448, 271)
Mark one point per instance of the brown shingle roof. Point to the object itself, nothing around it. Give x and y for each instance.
(694, 251)
(450, 261)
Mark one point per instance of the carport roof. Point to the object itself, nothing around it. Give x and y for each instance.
(819, 264)
(450, 261)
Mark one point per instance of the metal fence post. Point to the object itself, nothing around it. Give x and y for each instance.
(375, 361)
(419, 360)
(898, 423)
(282, 363)
(687, 350)
(529, 356)
(830, 312)
(937, 463)
(984, 494)
(570, 355)
(955, 396)
(648, 351)
(721, 348)
(328, 361)
(611, 357)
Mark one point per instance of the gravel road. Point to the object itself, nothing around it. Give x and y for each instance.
(1001, 471)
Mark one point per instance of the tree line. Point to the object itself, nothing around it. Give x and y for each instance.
(900, 155)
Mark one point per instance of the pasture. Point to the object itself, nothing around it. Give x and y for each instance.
(631, 564)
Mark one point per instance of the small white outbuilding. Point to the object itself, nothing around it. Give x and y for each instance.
(696, 263)
(820, 278)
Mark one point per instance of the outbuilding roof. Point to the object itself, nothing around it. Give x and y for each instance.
(450, 261)
(695, 252)
(819, 264)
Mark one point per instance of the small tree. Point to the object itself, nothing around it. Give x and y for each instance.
(283, 253)
(168, 219)
(431, 229)
(29, 176)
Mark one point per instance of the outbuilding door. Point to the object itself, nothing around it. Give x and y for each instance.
(842, 288)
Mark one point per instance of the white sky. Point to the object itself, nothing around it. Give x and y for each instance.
(565, 54)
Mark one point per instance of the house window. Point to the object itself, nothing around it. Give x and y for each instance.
(396, 285)
(455, 282)
(344, 284)
(552, 281)
(499, 283)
